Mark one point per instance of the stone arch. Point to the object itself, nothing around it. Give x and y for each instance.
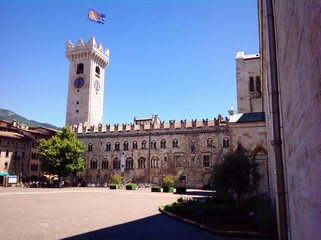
(141, 162)
(155, 162)
(257, 150)
(129, 163)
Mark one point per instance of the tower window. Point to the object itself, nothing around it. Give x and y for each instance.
(80, 68)
(97, 71)
(77, 102)
(258, 84)
(251, 84)
(77, 111)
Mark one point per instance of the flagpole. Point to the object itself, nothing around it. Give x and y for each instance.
(86, 29)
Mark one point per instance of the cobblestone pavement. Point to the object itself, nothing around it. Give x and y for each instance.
(91, 213)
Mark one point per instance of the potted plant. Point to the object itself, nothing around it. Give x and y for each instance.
(131, 186)
(168, 184)
(156, 189)
(117, 178)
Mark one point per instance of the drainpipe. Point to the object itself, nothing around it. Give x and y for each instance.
(276, 140)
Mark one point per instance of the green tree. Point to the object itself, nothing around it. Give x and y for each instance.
(168, 181)
(61, 154)
(236, 172)
(117, 178)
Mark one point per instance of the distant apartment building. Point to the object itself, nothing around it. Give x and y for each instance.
(19, 149)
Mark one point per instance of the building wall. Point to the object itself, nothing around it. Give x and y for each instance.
(19, 148)
(14, 154)
(249, 98)
(252, 137)
(298, 61)
(184, 160)
(85, 103)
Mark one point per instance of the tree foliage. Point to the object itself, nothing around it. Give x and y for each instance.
(117, 178)
(61, 154)
(237, 172)
(168, 181)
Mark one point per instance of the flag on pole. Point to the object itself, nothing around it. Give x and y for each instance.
(96, 16)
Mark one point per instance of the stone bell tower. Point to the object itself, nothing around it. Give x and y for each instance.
(86, 82)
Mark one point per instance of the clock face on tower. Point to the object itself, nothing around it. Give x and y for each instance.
(97, 85)
(79, 82)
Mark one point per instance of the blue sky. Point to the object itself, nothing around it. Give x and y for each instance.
(172, 58)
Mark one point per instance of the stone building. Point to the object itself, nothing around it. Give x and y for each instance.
(290, 47)
(144, 151)
(147, 152)
(247, 126)
(19, 149)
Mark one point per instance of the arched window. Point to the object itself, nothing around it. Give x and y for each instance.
(5, 165)
(178, 160)
(134, 145)
(193, 147)
(97, 71)
(129, 163)
(144, 144)
(93, 163)
(90, 147)
(141, 162)
(153, 144)
(258, 84)
(104, 164)
(125, 145)
(251, 84)
(116, 163)
(116, 146)
(154, 162)
(80, 68)
(108, 146)
(163, 143)
(226, 142)
(209, 142)
(175, 143)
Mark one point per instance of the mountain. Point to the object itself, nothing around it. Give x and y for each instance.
(10, 116)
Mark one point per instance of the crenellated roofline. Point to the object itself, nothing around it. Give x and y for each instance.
(205, 124)
(89, 50)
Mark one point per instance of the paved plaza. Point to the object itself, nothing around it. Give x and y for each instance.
(91, 213)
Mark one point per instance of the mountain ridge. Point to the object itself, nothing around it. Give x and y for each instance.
(9, 116)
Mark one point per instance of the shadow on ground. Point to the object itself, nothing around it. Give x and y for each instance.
(149, 228)
(197, 193)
